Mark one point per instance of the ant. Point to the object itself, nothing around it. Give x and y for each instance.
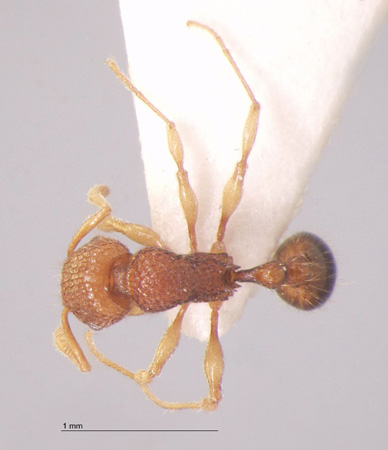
(102, 282)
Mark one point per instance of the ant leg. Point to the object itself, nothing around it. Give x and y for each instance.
(104, 359)
(233, 188)
(166, 348)
(96, 196)
(187, 196)
(213, 363)
(213, 368)
(137, 233)
(102, 219)
(66, 343)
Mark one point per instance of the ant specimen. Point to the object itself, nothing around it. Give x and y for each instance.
(102, 282)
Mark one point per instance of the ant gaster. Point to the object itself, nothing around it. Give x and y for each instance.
(102, 282)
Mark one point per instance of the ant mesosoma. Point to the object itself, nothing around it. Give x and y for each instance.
(102, 282)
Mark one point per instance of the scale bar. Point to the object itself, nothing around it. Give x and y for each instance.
(141, 431)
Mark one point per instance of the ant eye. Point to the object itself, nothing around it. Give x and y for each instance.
(310, 271)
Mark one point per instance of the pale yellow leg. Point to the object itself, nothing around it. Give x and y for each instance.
(104, 359)
(96, 196)
(213, 363)
(102, 219)
(66, 343)
(137, 233)
(166, 348)
(186, 194)
(213, 368)
(233, 188)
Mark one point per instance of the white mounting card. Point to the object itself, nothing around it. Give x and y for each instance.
(299, 58)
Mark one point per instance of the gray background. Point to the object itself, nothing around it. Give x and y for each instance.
(292, 380)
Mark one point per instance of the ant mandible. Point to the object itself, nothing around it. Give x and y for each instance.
(102, 282)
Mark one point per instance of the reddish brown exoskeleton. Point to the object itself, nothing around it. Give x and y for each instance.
(102, 282)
